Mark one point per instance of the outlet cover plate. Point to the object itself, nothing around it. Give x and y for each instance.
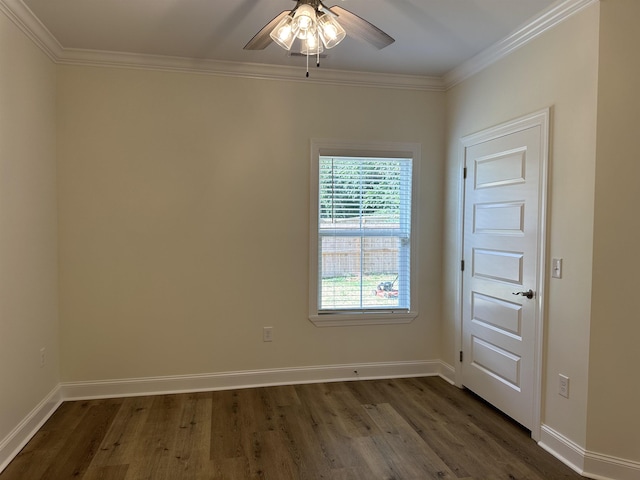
(563, 386)
(267, 334)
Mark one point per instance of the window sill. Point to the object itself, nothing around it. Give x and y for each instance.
(351, 319)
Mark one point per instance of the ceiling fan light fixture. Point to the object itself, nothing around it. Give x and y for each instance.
(285, 33)
(331, 32)
(317, 28)
(313, 15)
(304, 19)
(312, 45)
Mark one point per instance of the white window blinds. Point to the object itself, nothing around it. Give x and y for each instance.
(364, 233)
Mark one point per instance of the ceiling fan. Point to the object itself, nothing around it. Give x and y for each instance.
(318, 27)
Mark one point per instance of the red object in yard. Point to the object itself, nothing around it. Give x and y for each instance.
(386, 290)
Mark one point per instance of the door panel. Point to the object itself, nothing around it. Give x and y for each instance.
(503, 168)
(497, 265)
(499, 218)
(499, 315)
(502, 221)
(497, 362)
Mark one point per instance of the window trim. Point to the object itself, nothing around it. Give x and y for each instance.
(324, 147)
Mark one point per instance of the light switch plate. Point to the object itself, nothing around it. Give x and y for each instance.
(556, 268)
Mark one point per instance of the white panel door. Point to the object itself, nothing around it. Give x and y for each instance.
(502, 250)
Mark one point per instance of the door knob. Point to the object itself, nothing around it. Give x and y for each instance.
(528, 294)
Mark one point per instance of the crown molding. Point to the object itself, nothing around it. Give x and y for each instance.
(28, 23)
(549, 18)
(32, 27)
(325, 76)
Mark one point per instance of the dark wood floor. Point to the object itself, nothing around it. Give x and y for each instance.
(418, 428)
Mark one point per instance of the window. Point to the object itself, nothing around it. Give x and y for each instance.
(362, 252)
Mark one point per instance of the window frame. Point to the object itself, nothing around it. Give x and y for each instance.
(369, 149)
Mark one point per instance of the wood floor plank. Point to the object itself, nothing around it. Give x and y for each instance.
(226, 441)
(337, 419)
(442, 425)
(120, 444)
(108, 472)
(283, 395)
(270, 457)
(352, 473)
(229, 468)
(396, 429)
(422, 414)
(405, 442)
(496, 440)
(379, 458)
(258, 411)
(80, 447)
(298, 425)
(157, 440)
(502, 429)
(331, 406)
(189, 455)
(47, 443)
(336, 433)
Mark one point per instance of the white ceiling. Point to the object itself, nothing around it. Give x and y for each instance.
(432, 36)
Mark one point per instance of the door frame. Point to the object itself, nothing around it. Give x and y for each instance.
(540, 118)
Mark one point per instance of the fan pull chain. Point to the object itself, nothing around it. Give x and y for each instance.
(318, 50)
(317, 53)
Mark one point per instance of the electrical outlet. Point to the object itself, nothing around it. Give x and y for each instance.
(43, 357)
(563, 386)
(267, 334)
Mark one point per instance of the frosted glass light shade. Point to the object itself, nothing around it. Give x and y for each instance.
(312, 44)
(304, 19)
(331, 32)
(284, 33)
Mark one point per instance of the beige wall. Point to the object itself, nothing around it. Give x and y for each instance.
(614, 387)
(184, 207)
(28, 236)
(557, 70)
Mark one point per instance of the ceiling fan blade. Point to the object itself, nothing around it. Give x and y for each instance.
(261, 40)
(360, 28)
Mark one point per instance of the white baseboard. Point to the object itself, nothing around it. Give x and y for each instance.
(246, 379)
(11, 445)
(448, 373)
(564, 449)
(589, 464)
(606, 467)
